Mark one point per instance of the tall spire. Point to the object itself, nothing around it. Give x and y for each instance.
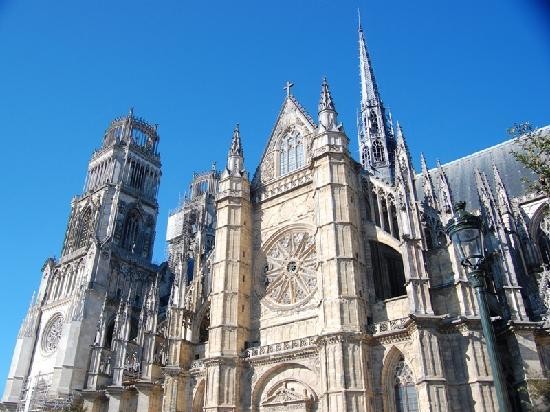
(376, 142)
(369, 89)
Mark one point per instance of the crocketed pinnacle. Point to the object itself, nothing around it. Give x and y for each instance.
(326, 102)
(236, 148)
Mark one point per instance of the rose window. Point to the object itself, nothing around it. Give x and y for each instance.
(290, 272)
(52, 333)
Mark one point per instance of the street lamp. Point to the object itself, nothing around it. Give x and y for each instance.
(465, 232)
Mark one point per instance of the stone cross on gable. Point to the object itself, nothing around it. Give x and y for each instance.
(287, 87)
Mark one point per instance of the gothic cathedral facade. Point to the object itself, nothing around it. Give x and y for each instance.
(319, 284)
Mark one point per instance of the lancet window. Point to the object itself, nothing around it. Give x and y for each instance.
(83, 228)
(131, 231)
(378, 151)
(291, 152)
(373, 122)
(406, 399)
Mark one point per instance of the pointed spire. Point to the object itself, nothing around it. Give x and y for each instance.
(326, 102)
(400, 137)
(369, 89)
(423, 164)
(235, 158)
(236, 148)
(402, 150)
(376, 140)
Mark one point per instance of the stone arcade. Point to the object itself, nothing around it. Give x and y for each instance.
(322, 284)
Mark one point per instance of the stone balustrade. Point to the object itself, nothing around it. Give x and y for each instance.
(282, 347)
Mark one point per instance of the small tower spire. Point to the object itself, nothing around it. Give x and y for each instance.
(327, 110)
(235, 158)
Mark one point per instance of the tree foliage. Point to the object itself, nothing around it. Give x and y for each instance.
(534, 154)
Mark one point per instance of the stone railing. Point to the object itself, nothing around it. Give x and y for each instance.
(197, 364)
(387, 326)
(277, 348)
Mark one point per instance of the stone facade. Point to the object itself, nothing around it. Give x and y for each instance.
(321, 284)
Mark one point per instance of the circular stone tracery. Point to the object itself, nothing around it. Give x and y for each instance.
(290, 272)
(52, 333)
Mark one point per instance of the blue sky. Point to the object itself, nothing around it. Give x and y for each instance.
(455, 74)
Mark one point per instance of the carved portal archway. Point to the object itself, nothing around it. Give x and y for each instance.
(286, 387)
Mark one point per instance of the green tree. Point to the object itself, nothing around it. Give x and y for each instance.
(534, 154)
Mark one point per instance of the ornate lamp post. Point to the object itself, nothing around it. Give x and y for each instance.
(465, 232)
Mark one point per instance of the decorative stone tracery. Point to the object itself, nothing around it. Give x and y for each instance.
(52, 333)
(290, 277)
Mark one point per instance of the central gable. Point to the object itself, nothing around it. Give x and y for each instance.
(294, 122)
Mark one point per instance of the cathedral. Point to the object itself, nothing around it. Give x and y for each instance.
(320, 282)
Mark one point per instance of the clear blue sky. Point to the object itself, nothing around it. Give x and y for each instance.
(456, 75)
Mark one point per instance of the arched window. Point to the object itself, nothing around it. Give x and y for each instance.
(83, 228)
(378, 151)
(373, 122)
(406, 399)
(291, 151)
(131, 231)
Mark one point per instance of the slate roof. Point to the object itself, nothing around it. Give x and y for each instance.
(461, 177)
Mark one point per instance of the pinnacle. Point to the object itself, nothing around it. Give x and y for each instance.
(326, 102)
(236, 147)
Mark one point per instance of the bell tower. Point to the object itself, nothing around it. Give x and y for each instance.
(105, 258)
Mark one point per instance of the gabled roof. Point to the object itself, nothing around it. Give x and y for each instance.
(290, 100)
